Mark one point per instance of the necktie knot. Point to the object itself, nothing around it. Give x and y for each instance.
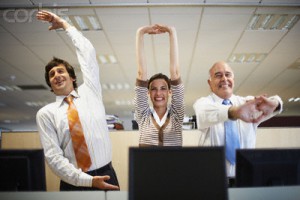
(226, 102)
(69, 99)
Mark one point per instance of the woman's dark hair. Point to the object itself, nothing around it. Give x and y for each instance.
(55, 62)
(159, 76)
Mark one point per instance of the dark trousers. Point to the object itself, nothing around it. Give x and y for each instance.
(106, 170)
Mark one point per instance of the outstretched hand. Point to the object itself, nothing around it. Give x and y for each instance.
(266, 105)
(254, 110)
(56, 21)
(247, 112)
(99, 182)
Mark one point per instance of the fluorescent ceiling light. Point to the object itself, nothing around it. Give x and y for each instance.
(94, 22)
(107, 59)
(8, 121)
(81, 23)
(117, 86)
(117, 102)
(246, 58)
(265, 22)
(112, 86)
(36, 103)
(123, 102)
(272, 22)
(260, 57)
(16, 88)
(293, 99)
(10, 88)
(278, 22)
(126, 86)
(2, 88)
(251, 58)
(291, 22)
(112, 59)
(232, 58)
(103, 59)
(253, 22)
(241, 58)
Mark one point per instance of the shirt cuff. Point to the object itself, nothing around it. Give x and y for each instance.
(280, 105)
(223, 114)
(85, 180)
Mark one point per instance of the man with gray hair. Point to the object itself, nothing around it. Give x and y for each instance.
(230, 120)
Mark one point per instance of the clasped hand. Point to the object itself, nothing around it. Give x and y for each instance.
(257, 109)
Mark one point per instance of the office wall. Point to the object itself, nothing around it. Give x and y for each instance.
(123, 140)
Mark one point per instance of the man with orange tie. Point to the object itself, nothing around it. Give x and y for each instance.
(73, 129)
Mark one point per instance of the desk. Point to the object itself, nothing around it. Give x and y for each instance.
(265, 193)
(90, 195)
(261, 193)
(116, 195)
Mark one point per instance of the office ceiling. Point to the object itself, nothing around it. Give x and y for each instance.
(208, 31)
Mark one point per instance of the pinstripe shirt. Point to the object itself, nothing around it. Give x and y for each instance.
(53, 123)
(170, 133)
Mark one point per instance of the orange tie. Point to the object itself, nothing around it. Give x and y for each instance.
(80, 148)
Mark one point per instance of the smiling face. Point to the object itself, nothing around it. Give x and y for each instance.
(221, 80)
(60, 80)
(159, 93)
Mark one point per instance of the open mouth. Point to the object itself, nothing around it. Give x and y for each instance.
(159, 99)
(224, 86)
(59, 83)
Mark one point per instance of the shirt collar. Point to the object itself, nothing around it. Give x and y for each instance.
(61, 98)
(217, 99)
(156, 117)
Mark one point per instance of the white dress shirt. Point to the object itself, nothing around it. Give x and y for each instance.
(211, 115)
(53, 123)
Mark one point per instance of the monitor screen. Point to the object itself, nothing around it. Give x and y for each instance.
(22, 170)
(162, 173)
(267, 167)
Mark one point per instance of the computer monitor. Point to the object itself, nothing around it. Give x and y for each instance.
(22, 170)
(267, 167)
(162, 173)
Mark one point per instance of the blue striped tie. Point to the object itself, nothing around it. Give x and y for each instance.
(231, 137)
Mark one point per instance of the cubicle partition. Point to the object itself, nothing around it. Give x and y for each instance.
(122, 140)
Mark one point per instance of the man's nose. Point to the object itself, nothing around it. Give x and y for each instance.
(56, 75)
(223, 77)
